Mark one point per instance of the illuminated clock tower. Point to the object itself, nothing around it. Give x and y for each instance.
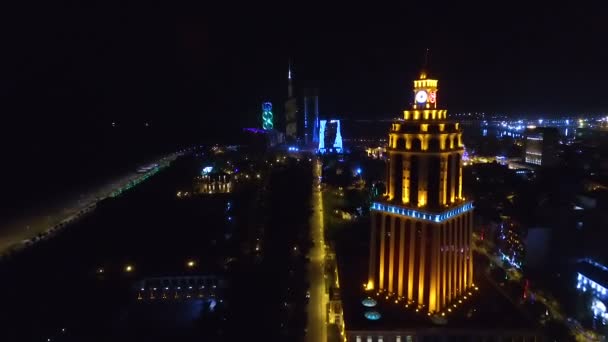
(421, 231)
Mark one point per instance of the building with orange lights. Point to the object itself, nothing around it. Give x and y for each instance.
(420, 248)
(417, 282)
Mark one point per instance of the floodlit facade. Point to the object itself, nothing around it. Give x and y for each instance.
(421, 231)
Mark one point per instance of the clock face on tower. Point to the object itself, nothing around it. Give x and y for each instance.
(421, 96)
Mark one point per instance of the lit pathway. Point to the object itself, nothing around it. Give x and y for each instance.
(13, 235)
(317, 305)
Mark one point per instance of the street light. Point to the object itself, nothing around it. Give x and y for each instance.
(128, 268)
(191, 263)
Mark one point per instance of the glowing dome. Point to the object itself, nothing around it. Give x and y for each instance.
(372, 315)
(369, 302)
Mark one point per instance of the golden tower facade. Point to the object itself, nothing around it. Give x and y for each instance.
(421, 232)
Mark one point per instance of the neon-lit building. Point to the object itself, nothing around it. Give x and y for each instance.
(311, 117)
(267, 117)
(330, 137)
(420, 248)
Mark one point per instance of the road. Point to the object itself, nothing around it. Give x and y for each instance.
(13, 235)
(317, 305)
(580, 333)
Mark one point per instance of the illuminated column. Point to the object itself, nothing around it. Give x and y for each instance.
(391, 255)
(460, 178)
(401, 255)
(465, 253)
(422, 181)
(434, 268)
(372, 252)
(457, 257)
(412, 249)
(391, 177)
(470, 251)
(443, 191)
(406, 180)
(382, 243)
(454, 258)
(421, 269)
(460, 253)
(452, 177)
(444, 269)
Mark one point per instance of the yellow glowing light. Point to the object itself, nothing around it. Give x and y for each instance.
(424, 127)
(128, 268)
(422, 199)
(449, 310)
(191, 263)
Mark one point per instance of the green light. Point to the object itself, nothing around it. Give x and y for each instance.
(137, 181)
(267, 116)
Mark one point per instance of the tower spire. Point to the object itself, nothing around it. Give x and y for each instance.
(289, 85)
(424, 71)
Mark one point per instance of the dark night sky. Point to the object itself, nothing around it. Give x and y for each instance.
(179, 65)
(70, 70)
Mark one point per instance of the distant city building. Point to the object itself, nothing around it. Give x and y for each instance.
(330, 137)
(541, 146)
(267, 117)
(311, 117)
(291, 111)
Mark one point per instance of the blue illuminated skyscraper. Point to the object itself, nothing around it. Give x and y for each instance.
(330, 137)
(311, 117)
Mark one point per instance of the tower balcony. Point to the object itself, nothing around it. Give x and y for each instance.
(437, 216)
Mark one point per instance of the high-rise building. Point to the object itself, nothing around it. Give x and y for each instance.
(419, 285)
(291, 111)
(267, 117)
(330, 137)
(420, 248)
(311, 117)
(541, 146)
